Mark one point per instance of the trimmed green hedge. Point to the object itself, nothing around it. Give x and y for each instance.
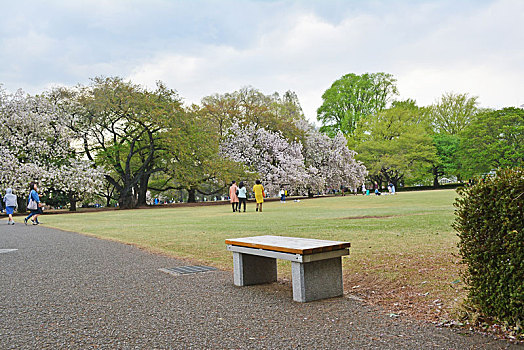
(490, 225)
(429, 188)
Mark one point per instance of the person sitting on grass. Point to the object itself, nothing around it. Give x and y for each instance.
(377, 192)
(10, 205)
(259, 194)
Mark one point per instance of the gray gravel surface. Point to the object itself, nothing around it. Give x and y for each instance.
(63, 290)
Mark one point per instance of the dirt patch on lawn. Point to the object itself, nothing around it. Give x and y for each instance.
(369, 217)
(379, 216)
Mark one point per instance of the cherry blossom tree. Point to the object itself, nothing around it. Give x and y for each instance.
(330, 164)
(317, 165)
(267, 153)
(18, 175)
(71, 180)
(36, 146)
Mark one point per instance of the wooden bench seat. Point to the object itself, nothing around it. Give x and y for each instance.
(316, 265)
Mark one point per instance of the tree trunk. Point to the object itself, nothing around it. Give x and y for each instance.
(135, 194)
(435, 177)
(395, 182)
(22, 204)
(126, 197)
(109, 195)
(191, 195)
(72, 205)
(126, 201)
(142, 190)
(375, 179)
(309, 194)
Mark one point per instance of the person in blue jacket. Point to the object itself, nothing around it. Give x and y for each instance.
(33, 195)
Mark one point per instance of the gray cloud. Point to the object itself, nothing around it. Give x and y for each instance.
(203, 47)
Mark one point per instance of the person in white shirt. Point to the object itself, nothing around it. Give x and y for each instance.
(282, 195)
(242, 196)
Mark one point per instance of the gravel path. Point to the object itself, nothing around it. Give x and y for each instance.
(65, 290)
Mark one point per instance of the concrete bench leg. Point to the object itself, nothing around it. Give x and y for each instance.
(253, 269)
(317, 280)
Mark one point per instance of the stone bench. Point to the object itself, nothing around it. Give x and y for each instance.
(316, 265)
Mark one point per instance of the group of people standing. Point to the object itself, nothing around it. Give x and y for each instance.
(10, 202)
(238, 195)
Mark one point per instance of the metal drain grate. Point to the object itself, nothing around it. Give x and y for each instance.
(7, 250)
(185, 270)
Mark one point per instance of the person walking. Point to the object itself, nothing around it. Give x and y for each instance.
(233, 195)
(33, 204)
(259, 194)
(242, 196)
(10, 205)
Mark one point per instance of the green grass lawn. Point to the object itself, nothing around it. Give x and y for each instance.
(403, 249)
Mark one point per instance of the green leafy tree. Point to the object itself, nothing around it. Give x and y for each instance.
(193, 160)
(449, 116)
(493, 139)
(453, 112)
(353, 98)
(121, 127)
(395, 145)
(251, 107)
(446, 162)
(221, 110)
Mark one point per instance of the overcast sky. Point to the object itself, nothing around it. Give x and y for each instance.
(205, 47)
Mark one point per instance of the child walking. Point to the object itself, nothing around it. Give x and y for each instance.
(10, 205)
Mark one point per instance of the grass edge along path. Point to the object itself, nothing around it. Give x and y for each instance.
(403, 252)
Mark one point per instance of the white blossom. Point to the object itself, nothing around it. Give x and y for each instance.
(330, 163)
(277, 161)
(320, 164)
(36, 146)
